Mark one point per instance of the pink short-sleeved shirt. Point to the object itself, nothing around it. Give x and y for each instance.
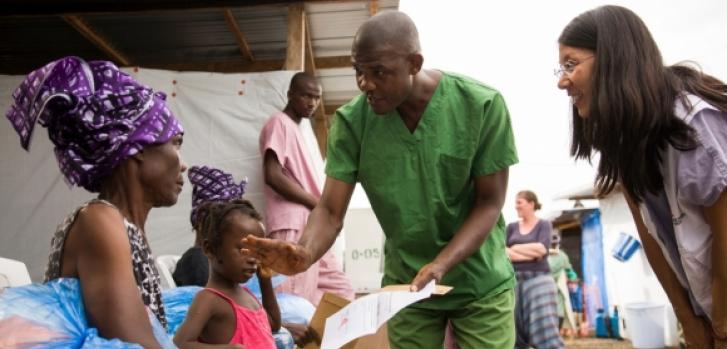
(283, 136)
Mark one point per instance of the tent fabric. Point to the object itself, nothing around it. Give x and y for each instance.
(222, 115)
(592, 258)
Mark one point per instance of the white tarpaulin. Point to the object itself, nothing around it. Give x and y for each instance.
(222, 115)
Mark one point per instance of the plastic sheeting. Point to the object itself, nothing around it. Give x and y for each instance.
(52, 316)
(222, 115)
(594, 289)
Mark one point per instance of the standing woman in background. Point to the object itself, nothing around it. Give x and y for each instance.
(536, 311)
(661, 133)
(115, 137)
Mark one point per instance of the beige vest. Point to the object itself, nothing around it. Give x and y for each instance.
(693, 234)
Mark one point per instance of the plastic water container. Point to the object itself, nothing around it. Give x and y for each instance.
(601, 320)
(615, 326)
(625, 247)
(645, 324)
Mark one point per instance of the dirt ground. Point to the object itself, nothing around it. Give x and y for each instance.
(598, 343)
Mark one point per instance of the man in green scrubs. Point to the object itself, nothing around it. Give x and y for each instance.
(432, 150)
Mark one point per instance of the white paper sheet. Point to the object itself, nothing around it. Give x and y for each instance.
(366, 314)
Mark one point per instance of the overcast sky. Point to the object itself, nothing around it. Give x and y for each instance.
(511, 45)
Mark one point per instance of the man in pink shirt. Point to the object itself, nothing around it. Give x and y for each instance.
(292, 189)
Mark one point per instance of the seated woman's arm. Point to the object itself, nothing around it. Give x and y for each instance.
(99, 244)
(200, 312)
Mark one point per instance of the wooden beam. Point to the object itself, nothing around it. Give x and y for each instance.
(570, 224)
(310, 63)
(239, 37)
(223, 67)
(240, 66)
(373, 7)
(56, 7)
(296, 38)
(320, 128)
(320, 118)
(82, 27)
(333, 62)
(331, 108)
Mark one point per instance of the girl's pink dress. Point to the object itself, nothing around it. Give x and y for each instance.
(253, 328)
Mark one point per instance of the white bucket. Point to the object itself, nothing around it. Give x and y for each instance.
(645, 324)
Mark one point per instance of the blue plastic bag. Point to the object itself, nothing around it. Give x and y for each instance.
(253, 284)
(293, 308)
(283, 339)
(176, 303)
(52, 315)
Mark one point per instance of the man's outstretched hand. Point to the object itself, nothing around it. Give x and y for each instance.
(281, 256)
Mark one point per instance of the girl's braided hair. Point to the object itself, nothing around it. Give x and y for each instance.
(211, 218)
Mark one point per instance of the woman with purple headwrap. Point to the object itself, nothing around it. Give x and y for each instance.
(115, 137)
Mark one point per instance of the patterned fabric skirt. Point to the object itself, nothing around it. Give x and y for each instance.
(536, 311)
(283, 339)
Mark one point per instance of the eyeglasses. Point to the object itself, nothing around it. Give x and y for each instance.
(568, 67)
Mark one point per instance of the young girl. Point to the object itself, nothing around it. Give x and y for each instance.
(226, 313)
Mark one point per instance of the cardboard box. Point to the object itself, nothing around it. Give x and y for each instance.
(378, 340)
(328, 306)
(438, 289)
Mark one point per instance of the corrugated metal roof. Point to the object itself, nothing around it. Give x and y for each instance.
(187, 36)
(34, 41)
(266, 30)
(339, 85)
(332, 28)
(155, 38)
(333, 25)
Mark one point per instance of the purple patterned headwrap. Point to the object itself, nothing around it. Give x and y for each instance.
(96, 116)
(212, 185)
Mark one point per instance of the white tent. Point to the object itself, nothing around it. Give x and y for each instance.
(222, 115)
(629, 281)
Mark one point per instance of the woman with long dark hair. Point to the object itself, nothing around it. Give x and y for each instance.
(661, 133)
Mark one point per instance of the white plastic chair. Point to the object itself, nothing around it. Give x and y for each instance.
(166, 264)
(13, 273)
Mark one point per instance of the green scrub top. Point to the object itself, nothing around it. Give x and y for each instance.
(421, 184)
